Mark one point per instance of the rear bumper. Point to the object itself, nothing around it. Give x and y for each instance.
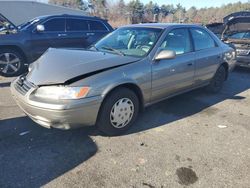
(63, 116)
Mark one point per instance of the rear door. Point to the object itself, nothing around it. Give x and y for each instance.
(77, 32)
(52, 36)
(207, 55)
(97, 29)
(174, 75)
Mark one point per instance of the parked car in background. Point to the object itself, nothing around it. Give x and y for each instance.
(235, 31)
(23, 44)
(129, 69)
(216, 28)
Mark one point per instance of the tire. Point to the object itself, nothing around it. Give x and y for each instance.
(217, 82)
(118, 112)
(11, 63)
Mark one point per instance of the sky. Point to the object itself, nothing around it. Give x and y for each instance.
(189, 3)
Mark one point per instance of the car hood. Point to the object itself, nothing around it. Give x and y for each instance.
(238, 24)
(216, 28)
(235, 15)
(57, 66)
(6, 26)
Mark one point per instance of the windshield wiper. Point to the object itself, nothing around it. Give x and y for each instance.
(113, 50)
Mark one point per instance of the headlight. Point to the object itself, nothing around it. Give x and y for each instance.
(62, 92)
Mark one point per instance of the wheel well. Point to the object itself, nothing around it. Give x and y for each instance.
(225, 65)
(14, 48)
(134, 88)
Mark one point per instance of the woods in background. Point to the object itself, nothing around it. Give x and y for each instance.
(121, 13)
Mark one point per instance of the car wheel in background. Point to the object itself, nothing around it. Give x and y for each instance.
(217, 82)
(11, 62)
(118, 112)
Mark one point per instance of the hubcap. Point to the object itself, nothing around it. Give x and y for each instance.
(9, 63)
(121, 113)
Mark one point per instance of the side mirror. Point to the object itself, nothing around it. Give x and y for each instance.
(165, 54)
(40, 28)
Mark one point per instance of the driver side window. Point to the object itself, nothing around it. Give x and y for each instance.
(55, 24)
(177, 40)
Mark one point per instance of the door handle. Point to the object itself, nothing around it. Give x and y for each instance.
(190, 64)
(90, 34)
(62, 35)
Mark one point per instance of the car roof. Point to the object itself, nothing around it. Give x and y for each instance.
(162, 25)
(70, 16)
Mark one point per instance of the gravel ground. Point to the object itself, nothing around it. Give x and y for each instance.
(193, 140)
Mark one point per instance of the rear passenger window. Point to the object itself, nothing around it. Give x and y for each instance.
(76, 24)
(177, 40)
(97, 26)
(56, 24)
(202, 40)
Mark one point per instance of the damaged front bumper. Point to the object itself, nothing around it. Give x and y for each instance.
(64, 114)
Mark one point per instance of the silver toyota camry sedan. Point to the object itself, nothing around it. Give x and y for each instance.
(127, 70)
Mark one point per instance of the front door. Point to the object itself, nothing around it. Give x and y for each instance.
(173, 75)
(53, 36)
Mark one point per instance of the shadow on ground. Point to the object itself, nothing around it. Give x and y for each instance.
(36, 157)
(192, 102)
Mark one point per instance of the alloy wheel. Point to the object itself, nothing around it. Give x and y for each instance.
(9, 63)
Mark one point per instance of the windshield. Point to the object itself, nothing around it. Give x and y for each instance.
(129, 41)
(240, 35)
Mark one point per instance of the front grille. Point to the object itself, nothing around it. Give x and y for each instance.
(23, 86)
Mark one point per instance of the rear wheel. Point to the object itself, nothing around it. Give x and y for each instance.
(217, 82)
(118, 112)
(11, 62)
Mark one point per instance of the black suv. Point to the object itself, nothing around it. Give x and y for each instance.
(23, 44)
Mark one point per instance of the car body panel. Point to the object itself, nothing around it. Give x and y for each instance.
(169, 76)
(206, 64)
(61, 65)
(103, 72)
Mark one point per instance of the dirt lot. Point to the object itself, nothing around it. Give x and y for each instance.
(193, 140)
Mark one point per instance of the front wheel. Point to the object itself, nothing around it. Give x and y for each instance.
(11, 63)
(217, 82)
(118, 112)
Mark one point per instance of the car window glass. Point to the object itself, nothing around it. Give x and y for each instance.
(241, 35)
(202, 40)
(57, 24)
(247, 35)
(177, 40)
(76, 24)
(97, 26)
(130, 41)
(237, 35)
